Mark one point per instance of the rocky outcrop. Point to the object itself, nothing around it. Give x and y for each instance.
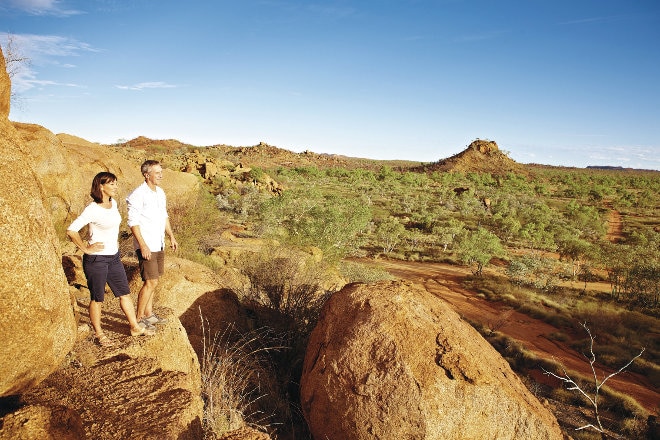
(130, 391)
(144, 387)
(481, 156)
(36, 314)
(484, 146)
(392, 361)
(54, 157)
(43, 423)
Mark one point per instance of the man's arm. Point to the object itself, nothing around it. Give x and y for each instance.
(134, 202)
(168, 230)
(144, 249)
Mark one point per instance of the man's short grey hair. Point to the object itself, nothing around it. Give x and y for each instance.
(147, 165)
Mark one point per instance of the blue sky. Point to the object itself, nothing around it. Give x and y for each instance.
(556, 82)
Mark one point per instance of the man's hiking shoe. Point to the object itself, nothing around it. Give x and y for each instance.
(155, 319)
(144, 323)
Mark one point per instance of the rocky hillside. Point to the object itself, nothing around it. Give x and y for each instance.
(479, 156)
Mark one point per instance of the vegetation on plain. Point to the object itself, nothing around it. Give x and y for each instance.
(537, 243)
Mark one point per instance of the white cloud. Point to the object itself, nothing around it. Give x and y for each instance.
(42, 7)
(26, 79)
(147, 85)
(40, 47)
(40, 50)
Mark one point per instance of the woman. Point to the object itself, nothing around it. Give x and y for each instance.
(101, 262)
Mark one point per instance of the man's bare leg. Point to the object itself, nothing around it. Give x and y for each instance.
(146, 299)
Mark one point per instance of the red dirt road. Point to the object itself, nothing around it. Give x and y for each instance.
(444, 281)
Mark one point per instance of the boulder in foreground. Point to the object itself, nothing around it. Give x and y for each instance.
(392, 361)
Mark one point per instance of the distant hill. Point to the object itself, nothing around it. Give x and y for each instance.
(263, 155)
(481, 156)
(614, 168)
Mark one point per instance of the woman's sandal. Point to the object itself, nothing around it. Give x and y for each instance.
(103, 341)
(143, 331)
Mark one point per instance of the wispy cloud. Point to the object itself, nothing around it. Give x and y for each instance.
(42, 7)
(40, 50)
(26, 79)
(588, 20)
(147, 85)
(633, 155)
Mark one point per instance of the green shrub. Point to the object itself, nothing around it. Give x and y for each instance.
(361, 273)
(307, 217)
(196, 223)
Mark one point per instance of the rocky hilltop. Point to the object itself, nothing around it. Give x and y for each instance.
(481, 156)
(385, 361)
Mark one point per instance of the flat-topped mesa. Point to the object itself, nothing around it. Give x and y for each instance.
(484, 146)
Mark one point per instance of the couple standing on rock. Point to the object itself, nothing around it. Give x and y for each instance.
(149, 222)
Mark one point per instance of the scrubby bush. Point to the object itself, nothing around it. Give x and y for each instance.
(306, 218)
(287, 290)
(235, 381)
(196, 223)
(361, 273)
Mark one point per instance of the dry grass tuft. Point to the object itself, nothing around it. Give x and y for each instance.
(234, 380)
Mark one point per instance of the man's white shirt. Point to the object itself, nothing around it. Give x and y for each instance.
(148, 210)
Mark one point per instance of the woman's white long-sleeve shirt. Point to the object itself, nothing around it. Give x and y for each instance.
(103, 226)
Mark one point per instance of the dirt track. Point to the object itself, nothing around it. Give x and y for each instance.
(444, 281)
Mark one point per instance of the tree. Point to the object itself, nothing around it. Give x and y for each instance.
(389, 233)
(573, 249)
(306, 217)
(533, 270)
(634, 270)
(477, 248)
(447, 233)
(15, 61)
(593, 395)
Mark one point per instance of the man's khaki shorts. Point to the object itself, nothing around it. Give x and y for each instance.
(153, 268)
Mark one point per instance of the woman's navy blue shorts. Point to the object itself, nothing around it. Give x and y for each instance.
(102, 269)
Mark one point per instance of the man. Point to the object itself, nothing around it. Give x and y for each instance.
(149, 222)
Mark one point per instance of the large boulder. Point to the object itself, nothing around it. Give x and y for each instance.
(40, 422)
(392, 361)
(36, 315)
(124, 393)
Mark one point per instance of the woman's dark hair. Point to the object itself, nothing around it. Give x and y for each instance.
(101, 179)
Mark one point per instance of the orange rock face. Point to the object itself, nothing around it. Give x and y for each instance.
(392, 361)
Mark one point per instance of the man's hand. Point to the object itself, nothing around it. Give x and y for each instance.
(146, 252)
